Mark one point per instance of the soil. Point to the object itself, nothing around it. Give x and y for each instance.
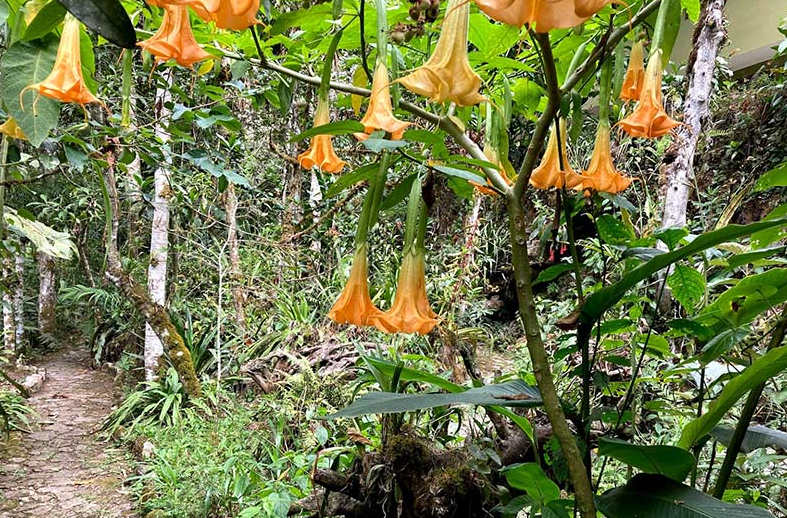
(62, 469)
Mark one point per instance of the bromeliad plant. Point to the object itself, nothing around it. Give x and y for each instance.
(464, 81)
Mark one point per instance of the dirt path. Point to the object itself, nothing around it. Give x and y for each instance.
(62, 470)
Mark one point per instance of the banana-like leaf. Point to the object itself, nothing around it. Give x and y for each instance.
(756, 437)
(669, 461)
(656, 496)
(515, 393)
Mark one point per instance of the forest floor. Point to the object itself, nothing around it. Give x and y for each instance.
(62, 469)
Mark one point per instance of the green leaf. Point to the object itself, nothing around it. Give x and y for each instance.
(687, 285)
(764, 238)
(773, 178)
(756, 437)
(669, 461)
(671, 236)
(24, 64)
(753, 257)
(602, 300)
(692, 8)
(45, 21)
(346, 180)
(376, 145)
(332, 128)
(745, 301)
(512, 393)
(722, 343)
(656, 496)
(461, 173)
(398, 193)
(531, 479)
(614, 231)
(106, 17)
(44, 238)
(553, 272)
(76, 158)
(760, 371)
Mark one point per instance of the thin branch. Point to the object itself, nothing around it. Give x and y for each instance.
(25, 181)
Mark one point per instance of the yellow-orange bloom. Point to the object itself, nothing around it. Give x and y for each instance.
(410, 311)
(12, 129)
(543, 15)
(635, 74)
(65, 83)
(649, 120)
(548, 173)
(493, 156)
(320, 152)
(174, 39)
(447, 75)
(379, 114)
(602, 175)
(235, 15)
(354, 306)
(587, 8)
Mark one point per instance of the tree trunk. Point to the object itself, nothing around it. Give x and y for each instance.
(19, 297)
(47, 294)
(235, 273)
(9, 326)
(159, 240)
(709, 34)
(155, 314)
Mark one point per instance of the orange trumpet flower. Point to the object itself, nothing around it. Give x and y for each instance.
(65, 83)
(379, 114)
(549, 173)
(635, 74)
(493, 156)
(320, 152)
(587, 8)
(410, 311)
(447, 75)
(354, 306)
(235, 15)
(543, 15)
(602, 175)
(649, 120)
(12, 129)
(174, 39)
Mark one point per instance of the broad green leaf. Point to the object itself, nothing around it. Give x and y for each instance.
(671, 236)
(773, 178)
(768, 236)
(4, 11)
(756, 437)
(461, 173)
(760, 371)
(515, 393)
(376, 145)
(553, 272)
(602, 300)
(669, 461)
(346, 180)
(531, 479)
(745, 301)
(687, 285)
(692, 8)
(24, 64)
(106, 17)
(491, 39)
(45, 21)
(398, 193)
(752, 257)
(722, 343)
(656, 496)
(614, 231)
(332, 128)
(44, 238)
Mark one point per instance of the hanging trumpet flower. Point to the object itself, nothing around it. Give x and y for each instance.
(549, 173)
(495, 149)
(354, 305)
(649, 120)
(379, 115)
(410, 311)
(447, 75)
(542, 15)
(174, 39)
(12, 129)
(320, 152)
(635, 74)
(65, 83)
(236, 15)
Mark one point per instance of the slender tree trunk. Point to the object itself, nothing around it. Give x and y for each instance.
(9, 326)
(47, 294)
(234, 270)
(155, 314)
(19, 298)
(709, 35)
(159, 239)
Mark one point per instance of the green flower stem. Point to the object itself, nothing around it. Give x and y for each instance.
(379, 187)
(373, 193)
(125, 89)
(604, 90)
(413, 210)
(327, 67)
(661, 23)
(382, 30)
